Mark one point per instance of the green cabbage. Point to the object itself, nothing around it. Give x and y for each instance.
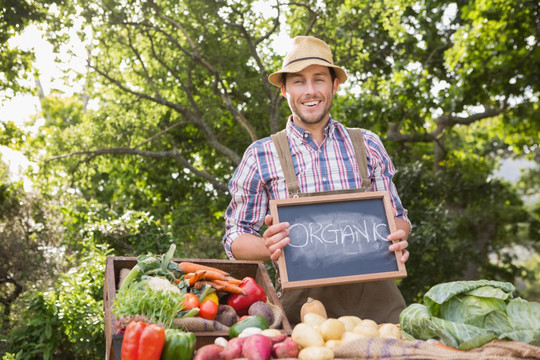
(468, 314)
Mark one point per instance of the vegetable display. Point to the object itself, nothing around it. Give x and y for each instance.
(159, 300)
(157, 292)
(469, 314)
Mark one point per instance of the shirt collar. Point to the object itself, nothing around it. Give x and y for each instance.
(298, 133)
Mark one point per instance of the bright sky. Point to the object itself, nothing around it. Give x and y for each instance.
(23, 107)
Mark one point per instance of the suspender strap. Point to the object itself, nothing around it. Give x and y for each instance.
(357, 140)
(282, 145)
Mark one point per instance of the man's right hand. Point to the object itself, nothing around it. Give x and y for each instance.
(275, 237)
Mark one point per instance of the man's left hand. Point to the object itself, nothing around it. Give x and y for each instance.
(402, 244)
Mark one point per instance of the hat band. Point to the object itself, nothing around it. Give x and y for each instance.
(307, 58)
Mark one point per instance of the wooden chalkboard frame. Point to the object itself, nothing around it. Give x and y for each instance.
(383, 196)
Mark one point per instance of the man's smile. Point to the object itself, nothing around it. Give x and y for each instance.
(311, 103)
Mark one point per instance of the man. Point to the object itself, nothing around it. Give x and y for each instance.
(323, 159)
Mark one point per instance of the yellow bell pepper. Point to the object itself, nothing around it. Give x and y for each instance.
(212, 297)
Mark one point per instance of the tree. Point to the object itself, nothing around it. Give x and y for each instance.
(182, 90)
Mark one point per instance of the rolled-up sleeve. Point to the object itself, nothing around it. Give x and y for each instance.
(249, 201)
(383, 171)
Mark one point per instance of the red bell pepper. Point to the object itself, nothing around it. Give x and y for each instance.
(241, 303)
(142, 341)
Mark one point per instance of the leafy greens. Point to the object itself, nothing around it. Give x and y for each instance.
(469, 314)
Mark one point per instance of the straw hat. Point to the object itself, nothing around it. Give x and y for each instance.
(306, 51)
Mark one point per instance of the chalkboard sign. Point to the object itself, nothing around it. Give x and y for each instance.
(337, 239)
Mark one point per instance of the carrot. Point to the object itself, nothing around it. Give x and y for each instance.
(232, 280)
(197, 275)
(446, 347)
(221, 285)
(207, 275)
(213, 275)
(190, 267)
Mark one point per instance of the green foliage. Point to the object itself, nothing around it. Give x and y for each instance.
(66, 321)
(532, 279)
(11, 135)
(447, 209)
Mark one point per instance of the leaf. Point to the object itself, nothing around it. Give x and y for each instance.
(524, 315)
(469, 309)
(440, 293)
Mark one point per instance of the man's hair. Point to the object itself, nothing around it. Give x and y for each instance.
(332, 75)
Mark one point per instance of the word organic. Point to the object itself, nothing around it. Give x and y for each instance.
(313, 233)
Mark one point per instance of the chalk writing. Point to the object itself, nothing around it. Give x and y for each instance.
(367, 232)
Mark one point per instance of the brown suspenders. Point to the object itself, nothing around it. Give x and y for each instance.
(282, 145)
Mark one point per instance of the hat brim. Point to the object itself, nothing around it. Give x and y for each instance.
(276, 77)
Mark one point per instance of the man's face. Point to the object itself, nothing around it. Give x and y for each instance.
(310, 94)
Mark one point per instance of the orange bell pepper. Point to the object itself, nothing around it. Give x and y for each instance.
(142, 341)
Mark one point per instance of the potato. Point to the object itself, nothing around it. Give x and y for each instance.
(367, 328)
(316, 353)
(285, 349)
(369, 322)
(233, 349)
(350, 321)
(331, 329)
(332, 344)
(257, 347)
(351, 336)
(389, 330)
(208, 352)
(271, 332)
(313, 319)
(305, 335)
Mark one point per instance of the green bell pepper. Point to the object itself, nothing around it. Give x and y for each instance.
(179, 345)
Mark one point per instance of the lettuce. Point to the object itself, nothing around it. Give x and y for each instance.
(468, 314)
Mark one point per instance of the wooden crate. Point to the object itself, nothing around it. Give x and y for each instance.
(238, 269)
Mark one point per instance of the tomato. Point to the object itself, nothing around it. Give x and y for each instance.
(190, 301)
(212, 297)
(208, 310)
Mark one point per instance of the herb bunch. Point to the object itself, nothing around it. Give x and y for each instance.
(161, 307)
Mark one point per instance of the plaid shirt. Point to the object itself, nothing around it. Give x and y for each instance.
(330, 166)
